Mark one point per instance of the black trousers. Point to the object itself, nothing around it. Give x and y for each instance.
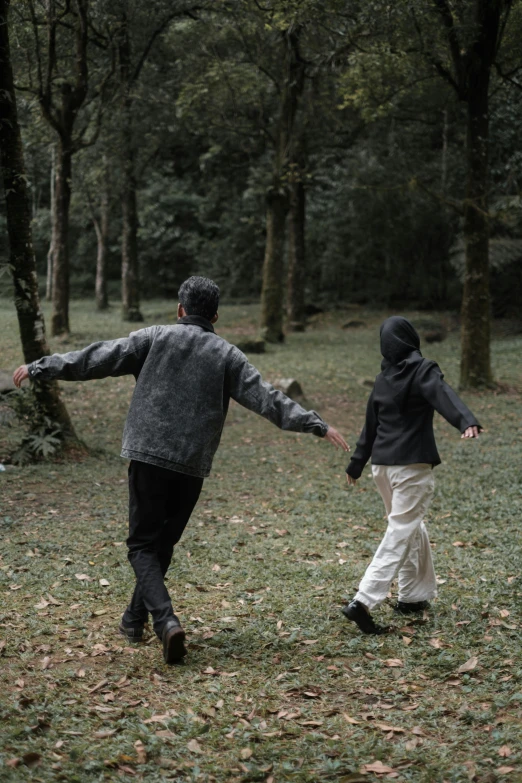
(160, 504)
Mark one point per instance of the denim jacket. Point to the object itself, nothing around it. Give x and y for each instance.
(185, 376)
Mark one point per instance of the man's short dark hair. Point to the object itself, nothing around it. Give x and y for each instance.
(199, 296)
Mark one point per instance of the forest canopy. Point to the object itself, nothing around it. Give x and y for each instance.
(300, 151)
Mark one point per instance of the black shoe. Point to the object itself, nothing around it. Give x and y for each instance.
(403, 608)
(173, 638)
(356, 612)
(134, 635)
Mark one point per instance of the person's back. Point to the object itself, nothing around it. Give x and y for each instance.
(398, 436)
(181, 398)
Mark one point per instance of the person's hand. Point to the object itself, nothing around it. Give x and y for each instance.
(351, 480)
(19, 375)
(471, 432)
(336, 439)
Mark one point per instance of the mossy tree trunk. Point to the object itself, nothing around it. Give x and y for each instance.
(21, 253)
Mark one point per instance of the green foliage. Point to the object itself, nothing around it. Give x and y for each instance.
(41, 438)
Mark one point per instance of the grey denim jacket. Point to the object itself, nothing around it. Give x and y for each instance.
(185, 376)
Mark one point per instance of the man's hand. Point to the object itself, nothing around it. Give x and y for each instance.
(351, 481)
(19, 375)
(471, 432)
(336, 439)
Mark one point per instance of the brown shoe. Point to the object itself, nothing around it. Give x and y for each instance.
(173, 638)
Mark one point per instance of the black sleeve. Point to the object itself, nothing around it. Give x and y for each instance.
(363, 450)
(443, 398)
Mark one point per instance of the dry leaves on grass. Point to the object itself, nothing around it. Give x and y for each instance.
(505, 751)
(194, 746)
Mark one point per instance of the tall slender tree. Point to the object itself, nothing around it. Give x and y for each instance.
(278, 194)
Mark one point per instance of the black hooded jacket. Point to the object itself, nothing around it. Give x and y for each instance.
(399, 414)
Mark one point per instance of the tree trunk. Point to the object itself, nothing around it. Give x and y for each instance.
(277, 200)
(273, 269)
(475, 367)
(49, 276)
(60, 291)
(130, 278)
(102, 236)
(21, 254)
(296, 256)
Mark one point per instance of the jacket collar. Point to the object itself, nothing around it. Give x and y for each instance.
(196, 320)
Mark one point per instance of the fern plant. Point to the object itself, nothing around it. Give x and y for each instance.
(42, 436)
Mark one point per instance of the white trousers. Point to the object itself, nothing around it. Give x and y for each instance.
(407, 491)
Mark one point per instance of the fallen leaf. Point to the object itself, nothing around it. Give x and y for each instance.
(393, 662)
(378, 767)
(504, 770)
(104, 733)
(45, 663)
(406, 640)
(42, 605)
(349, 719)
(468, 666)
(216, 567)
(157, 719)
(246, 753)
(98, 685)
(141, 752)
(504, 613)
(437, 643)
(194, 746)
(505, 751)
(394, 729)
(310, 641)
(104, 582)
(83, 577)
(459, 543)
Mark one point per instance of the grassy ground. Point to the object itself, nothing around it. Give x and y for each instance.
(276, 686)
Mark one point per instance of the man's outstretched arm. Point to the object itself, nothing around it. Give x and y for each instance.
(248, 388)
(124, 356)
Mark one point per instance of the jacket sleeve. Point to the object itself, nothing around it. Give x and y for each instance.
(363, 449)
(124, 356)
(248, 389)
(441, 396)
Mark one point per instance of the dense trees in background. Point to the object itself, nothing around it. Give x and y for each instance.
(294, 151)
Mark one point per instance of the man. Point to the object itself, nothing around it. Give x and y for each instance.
(185, 376)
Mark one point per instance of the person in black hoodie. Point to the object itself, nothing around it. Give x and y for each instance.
(398, 436)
